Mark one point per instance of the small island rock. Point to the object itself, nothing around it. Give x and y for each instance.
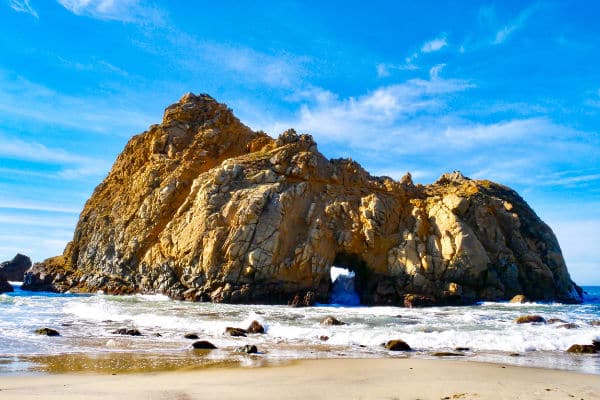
(14, 270)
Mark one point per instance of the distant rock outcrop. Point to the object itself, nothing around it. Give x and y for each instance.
(202, 208)
(15, 269)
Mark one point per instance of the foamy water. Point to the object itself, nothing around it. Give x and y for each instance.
(86, 323)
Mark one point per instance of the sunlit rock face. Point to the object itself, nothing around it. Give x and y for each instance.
(200, 207)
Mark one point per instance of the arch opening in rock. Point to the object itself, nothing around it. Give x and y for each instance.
(348, 280)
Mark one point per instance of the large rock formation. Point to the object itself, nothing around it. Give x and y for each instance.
(14, 270)
(201, 207)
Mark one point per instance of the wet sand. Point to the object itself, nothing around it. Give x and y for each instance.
(316, 379)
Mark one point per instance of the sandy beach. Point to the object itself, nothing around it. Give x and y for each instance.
(317, 379)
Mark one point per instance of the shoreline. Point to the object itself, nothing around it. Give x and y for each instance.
(394, 378)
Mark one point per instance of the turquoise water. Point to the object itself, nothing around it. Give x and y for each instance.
(86, 323)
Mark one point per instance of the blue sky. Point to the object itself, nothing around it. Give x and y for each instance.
(508, 91)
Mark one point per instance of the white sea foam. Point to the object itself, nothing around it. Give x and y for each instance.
(86, 324)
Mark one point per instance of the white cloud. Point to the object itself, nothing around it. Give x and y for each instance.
(132, 11)
(385, 69)
(71, 166)
(434, 45)
(36, 206)
(23, 6)
(504, 33)
(27, 101)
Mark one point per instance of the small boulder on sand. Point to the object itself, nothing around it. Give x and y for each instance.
(397, 345)
(332, 321)
(519, 299)
(530, 319)
(47, 332)
(255, 327)
(203, 345)
(231, 331)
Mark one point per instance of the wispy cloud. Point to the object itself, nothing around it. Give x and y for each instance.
(506, 31)
(36, 206)
(31, 102)
(401, 127)
(23, 6)
(430, 46)
(130, 11)
(434, 45)
(71, 166)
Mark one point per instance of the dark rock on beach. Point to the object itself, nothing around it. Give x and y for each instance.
(568, 326)
(231, 331)
(582, 349)
(332, 321)
(248, 349)
(15, 269)
(47, 332)
(255, 327)
(192, 336)
(203, 345)
(397, 345)
(308, 300)
(127, 332)
(556, 320)
(530, 319)
(520, 299)
(447, 354)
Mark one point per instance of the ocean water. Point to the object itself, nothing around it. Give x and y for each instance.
(86, 323)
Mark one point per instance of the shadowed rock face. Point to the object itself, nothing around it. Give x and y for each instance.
(14, 270)
(201, 207)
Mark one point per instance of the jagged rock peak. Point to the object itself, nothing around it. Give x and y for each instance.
(201, 207)
(451, 177)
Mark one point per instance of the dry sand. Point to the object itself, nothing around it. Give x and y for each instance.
(317, 379)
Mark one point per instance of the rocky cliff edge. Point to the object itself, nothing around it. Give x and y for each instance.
(203, 208)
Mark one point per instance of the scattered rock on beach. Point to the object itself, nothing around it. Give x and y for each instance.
(192, 336)
(417, 300)
(582, 349)
(530, 319)
(231, 331)
(332, 321)
(462, 349)
(519, 299)
(307, 301)
(556, 321)
(323, 338)
(595, 322)
(255, 327)
(397, 345)
(47, 332)
(248, 349)
(203, 345)
(568, 326)
(447, 354)
(127, 332)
